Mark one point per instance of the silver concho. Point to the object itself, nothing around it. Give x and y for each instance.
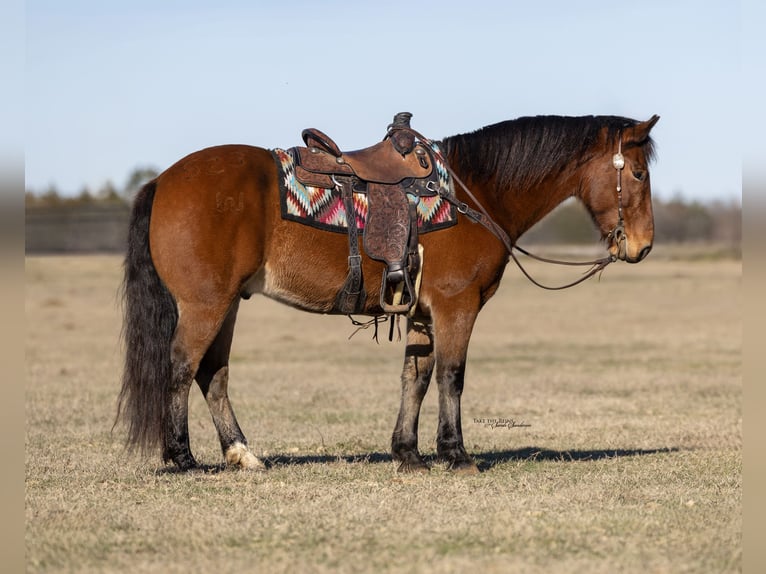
(618, 161)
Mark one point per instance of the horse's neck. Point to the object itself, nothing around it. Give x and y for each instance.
(519, 208)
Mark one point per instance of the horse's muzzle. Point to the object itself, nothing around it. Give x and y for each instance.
(643, 253)
(622, 250)
(623, 254)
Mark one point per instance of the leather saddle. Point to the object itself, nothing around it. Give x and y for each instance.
(389, 162)
(393, 173)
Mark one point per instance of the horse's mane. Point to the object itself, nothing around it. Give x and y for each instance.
(520, 153)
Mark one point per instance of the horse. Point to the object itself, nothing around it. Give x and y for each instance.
(208, 232)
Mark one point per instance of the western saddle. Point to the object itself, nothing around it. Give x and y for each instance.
(393, 173)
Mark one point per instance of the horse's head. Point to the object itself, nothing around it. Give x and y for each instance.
(617, 191)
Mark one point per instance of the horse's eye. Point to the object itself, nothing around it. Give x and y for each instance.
(639, 174)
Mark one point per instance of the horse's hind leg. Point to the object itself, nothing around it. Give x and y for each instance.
(416, 376)
(175, 435)
(198, 327)
(213, 380)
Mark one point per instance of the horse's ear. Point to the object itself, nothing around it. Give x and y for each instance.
(651, 121)
(641, 130)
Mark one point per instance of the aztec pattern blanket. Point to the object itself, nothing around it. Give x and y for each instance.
(324, 209)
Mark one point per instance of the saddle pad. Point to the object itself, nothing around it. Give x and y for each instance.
(323, 208)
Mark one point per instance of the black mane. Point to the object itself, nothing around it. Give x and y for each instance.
(520, 153)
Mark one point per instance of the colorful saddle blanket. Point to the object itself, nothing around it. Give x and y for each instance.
(324, 208)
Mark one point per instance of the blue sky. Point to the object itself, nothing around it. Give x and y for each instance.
(115, 85)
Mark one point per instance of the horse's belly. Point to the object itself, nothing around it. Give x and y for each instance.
(294, 287)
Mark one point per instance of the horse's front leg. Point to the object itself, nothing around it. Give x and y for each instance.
(416, 376)
(452, 333)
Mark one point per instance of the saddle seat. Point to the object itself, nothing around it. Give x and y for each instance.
(389, 161)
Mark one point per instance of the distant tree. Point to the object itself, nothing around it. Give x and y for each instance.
(137, 178)
(30, 199)
(50, 196)
(85, 196)
(727, 221)
(678, 221)
(108, 193)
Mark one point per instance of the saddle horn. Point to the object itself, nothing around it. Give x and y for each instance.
(402, 138)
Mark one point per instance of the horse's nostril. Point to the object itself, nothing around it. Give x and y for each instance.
(644, 252)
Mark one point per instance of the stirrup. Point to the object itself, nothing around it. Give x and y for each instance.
(402, 291)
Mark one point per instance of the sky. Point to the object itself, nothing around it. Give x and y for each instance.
(112, 86)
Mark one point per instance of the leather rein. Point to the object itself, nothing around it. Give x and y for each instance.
(481, 216)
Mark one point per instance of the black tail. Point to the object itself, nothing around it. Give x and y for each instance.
(150, 318)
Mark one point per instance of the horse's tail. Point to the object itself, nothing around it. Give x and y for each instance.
(150, 318)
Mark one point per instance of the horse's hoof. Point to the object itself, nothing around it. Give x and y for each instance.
(239, 455)
(413, 468)
(466, 468)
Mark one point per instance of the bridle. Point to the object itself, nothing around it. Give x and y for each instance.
(618, 233)
(481, 216)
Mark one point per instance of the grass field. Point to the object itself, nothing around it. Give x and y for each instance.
(627, 456)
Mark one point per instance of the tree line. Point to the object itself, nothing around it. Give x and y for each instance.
(107, 193)
(676, 220)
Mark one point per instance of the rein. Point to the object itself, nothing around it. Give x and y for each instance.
(481, 216)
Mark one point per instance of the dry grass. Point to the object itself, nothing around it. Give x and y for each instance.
(631, 462)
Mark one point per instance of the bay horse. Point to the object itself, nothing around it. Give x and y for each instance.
(208, 232)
